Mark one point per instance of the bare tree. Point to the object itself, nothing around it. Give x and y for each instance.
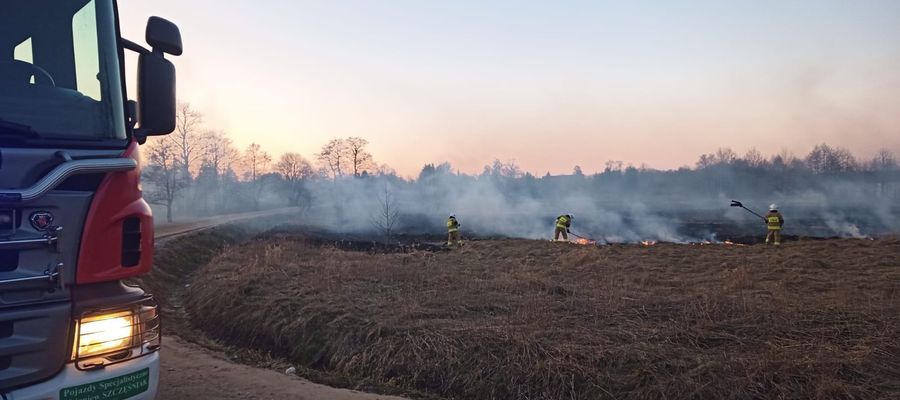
(754, 158)
(209, 189)
(508, 169)
(784, 160)
(706, 161)
(884, 160)
(359, 159)
(331, 158)
(219, 151)
(824, 159)
(884, 163)
(577, 172)
(613, 166)
(294, 169)
(257, 163)
(725, 156)
(387, 215)
(385, 170)
(188, 139)
(722, 156)
(162, 174)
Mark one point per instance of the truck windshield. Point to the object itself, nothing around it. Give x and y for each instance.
(59, 72)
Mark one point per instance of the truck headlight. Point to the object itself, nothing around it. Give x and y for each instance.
(115, 335)
(104, 333)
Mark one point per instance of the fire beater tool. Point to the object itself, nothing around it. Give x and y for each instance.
(735, 203)
(579, 236)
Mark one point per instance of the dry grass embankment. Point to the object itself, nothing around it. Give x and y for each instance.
(516, 319)
(173, 264)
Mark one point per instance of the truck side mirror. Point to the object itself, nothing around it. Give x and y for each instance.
(156, 79)
(164, 36)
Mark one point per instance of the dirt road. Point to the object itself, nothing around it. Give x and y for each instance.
(189, 371)
(170, 230)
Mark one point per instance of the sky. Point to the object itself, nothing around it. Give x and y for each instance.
(548, 84)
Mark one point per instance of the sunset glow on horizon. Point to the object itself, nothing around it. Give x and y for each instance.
(549, 85)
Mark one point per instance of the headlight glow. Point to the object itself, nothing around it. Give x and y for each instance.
(105, 337)
(104, 333)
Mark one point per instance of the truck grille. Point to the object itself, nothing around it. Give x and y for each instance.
(38, 264)
(33, 343)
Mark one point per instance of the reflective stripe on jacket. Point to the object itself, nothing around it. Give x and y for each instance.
(563, 221)
(452, 225)
(774, 221)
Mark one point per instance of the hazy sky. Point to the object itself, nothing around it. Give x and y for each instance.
(550, 84)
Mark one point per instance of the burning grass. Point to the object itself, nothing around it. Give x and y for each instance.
(523, 319)
(584, 241)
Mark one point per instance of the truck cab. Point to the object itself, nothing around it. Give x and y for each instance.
(74, 226)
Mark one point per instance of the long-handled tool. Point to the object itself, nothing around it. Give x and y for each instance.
(579, 236)
(735, 203)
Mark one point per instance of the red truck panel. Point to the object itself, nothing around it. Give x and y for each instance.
(118, 197)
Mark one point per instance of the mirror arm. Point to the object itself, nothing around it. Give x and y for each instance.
(134, 47)
(140, 135)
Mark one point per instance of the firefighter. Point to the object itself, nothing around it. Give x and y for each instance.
(453, 231)
(774, 222)
(563, 222)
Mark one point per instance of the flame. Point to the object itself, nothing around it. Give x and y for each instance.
(648, 242)
(583, 241)
(728, 242)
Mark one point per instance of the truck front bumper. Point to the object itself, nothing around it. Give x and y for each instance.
(135, 379)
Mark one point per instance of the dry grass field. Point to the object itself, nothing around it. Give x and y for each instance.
(518, 319)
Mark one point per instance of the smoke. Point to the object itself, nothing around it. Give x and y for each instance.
(617, 206)
(614, 207)
(840, 226)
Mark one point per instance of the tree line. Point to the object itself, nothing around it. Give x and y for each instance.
(197, 170)
(201, 168)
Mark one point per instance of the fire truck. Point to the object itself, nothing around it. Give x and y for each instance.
(73, 224)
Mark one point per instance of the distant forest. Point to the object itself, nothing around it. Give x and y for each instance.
(197, 171)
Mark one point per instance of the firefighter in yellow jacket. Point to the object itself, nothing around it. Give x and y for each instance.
(774, 222)
(563, 222)
(453, 231)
